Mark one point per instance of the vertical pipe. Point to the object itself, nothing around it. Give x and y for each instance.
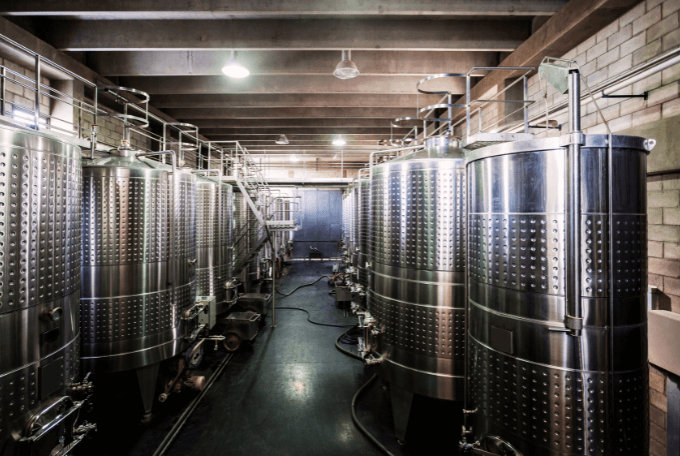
(80, 119)
(574, 314)
(274, 283)
(36, 104)
(126, 127)
(163, 144)
(467, 103)
(93, 135)
(526, 105)
(450, 112)
(2, 91)
(179, 148)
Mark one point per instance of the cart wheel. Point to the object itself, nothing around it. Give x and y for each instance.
(232, 342)
(193, 356)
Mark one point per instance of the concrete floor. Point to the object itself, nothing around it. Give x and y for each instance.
(289, 394)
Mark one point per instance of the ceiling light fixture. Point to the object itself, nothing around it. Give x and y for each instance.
(339, 141)
(234, 69)
(346, 69)
(282, 140)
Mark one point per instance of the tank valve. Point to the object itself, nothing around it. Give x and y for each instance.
(54, 314)
(370, 360)
(195, 382)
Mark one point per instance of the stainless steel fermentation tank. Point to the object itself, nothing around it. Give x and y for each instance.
(557, 284)
(531, 383)
(240, 228)
(40, 196)
(137, 278)
(213, 237)
(417, 289)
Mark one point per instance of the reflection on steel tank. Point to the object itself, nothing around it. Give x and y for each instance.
(40, 242)
(533, 384)
(135, 287)
(417, 290)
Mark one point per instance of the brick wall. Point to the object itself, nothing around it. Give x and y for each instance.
(19, 95)
(110, 129)
(663, 199)
(646, 31)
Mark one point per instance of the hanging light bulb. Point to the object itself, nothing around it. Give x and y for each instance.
(234, 69)
(346, 69)
(282, 140)
(339, 141)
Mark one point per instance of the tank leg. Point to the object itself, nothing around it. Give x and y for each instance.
(147, 377)
(401, 409)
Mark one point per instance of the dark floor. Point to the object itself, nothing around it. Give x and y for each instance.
(289, 394)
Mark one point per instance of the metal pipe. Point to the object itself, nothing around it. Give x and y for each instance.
(273, 244)
(2, 91)
(467, 103)
(93, 135)
(525, 88)
(574, 311)
(36, 104)
(172, 212)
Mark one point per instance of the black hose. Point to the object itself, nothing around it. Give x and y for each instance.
(285, 295)
(170, 437)
(309, 315)
(346, 352)
(359, 425)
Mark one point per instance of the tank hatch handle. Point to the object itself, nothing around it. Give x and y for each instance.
(649, 144)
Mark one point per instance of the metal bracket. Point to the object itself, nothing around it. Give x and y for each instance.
(644, 95)
(572, 138)
(558, 127)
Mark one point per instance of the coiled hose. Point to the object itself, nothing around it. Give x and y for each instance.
(342, 350)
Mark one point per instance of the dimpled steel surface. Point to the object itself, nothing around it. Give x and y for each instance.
(129, 317)
(213, 230)
(417, 278)
(544, 391)
(241, 238)
(40, 195)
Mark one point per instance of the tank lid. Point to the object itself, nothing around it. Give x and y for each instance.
(442, 146)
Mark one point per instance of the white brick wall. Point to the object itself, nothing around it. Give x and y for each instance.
(19, 95)
(646, 31)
